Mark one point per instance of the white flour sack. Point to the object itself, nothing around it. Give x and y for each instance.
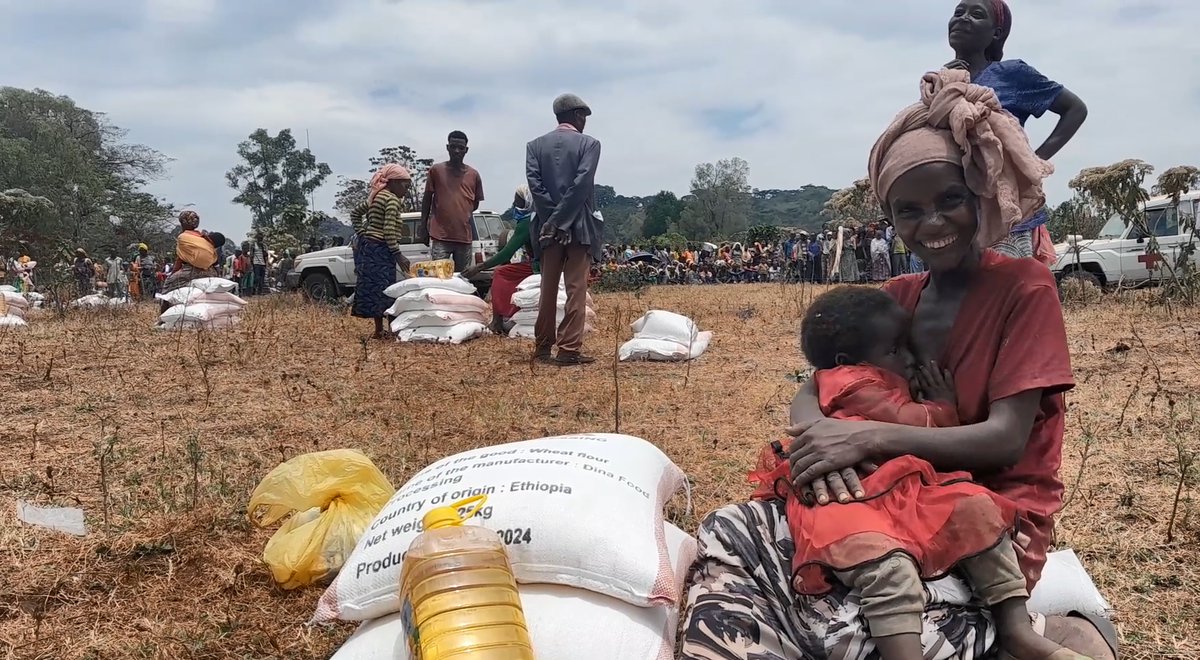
(456, 284)
(564, 623)
(583, 511)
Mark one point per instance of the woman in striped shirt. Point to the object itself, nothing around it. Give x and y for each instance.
(380, 229)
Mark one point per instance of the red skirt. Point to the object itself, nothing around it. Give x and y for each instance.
(937, 518)
(504, 284)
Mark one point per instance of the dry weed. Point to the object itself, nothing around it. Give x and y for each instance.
(160, 437)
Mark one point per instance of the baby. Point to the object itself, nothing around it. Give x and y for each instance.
(914, 522)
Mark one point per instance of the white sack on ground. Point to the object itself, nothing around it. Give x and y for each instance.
(664, 337)
(530, 298)
(441, 300)
(455, 283)
(667, 326)
(198, 313)
(213, 285)
(7, 288)
(433, 319)
(220, 323)
(658, 350)
(584, 511)
(453, 334)
(564, 623)
(12, 299)
(12, 321)
(1066, 587)
(528, 331)
(189, 295)
(529, 316)
(92, 301)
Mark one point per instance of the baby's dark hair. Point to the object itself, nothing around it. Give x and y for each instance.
(839, 323)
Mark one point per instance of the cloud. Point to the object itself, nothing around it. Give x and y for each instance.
(798, 89)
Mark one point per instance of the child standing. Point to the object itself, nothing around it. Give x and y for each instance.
(912, 522)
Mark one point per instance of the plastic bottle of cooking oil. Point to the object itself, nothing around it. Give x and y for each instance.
(459, 597)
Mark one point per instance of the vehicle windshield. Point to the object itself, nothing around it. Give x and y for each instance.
(1113, 228)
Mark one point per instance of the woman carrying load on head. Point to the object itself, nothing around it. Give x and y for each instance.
(196, 253)
(379, 229)
(510, 272)
(954, 175)
(978, 31)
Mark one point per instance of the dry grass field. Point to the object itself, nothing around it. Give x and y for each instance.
(161, 437)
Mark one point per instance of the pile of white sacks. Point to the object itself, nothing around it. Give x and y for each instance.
(207, 303)
(600, 572)
(13, 308)
(434, 310)
(665, 337)
(529, 296)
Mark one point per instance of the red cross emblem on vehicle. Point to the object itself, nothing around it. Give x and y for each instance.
(1151, 260)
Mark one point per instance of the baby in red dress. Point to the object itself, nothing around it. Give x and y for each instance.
(914, 523)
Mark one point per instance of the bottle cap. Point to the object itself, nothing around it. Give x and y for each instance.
(449, 516)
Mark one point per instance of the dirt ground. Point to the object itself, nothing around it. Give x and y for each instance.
(161, 437)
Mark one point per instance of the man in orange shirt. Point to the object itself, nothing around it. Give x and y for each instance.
(453, 191)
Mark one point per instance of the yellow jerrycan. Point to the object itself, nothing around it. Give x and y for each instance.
(459, 599)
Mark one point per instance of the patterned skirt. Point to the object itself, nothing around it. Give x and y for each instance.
(375, 268)
(740, 603)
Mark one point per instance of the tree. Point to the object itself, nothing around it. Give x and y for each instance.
(274, 176)
(1073, 218)
(719, 204)
(853, 206)
(1115, 189)
(352, 192)
(71, 180)
(662, 213)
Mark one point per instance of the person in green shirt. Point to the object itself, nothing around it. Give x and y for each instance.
(510, 272)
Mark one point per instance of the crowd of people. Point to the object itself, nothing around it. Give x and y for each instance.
(872, 253)
(138, 274)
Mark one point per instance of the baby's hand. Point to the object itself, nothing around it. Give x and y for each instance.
(937, 384)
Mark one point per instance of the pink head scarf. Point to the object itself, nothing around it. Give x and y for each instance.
(957, 122)
(380, 179)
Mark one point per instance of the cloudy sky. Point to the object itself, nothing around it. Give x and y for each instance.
(799, 88)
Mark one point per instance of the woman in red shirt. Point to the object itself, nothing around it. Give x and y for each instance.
(996, 324)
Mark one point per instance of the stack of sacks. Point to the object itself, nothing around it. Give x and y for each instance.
(36, 300)
(207, 303)
(665, 337)
(431, 309)
(601, 574)
(529, 296)
(13, 308)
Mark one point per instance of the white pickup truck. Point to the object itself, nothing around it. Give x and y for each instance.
(1119, 256)
(329, 274)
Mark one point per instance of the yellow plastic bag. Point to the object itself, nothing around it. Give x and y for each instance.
(331, 496)
(441, 269)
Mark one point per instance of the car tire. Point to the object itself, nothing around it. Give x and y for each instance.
(319, 287)
(1082, 277)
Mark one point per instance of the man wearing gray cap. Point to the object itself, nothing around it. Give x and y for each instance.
(561, 169)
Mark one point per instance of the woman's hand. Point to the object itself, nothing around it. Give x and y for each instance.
(472, 271)
(828, 446)
(843, 486)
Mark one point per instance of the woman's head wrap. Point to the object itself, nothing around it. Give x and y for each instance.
(1002, 17)
(189, 219)
(957, 122)
(388, 172)
(523, 193)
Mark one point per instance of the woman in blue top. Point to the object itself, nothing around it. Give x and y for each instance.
(978, 31)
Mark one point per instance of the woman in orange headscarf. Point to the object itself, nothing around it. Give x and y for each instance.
(379, 230)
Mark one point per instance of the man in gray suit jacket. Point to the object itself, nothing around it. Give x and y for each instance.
(567, 232)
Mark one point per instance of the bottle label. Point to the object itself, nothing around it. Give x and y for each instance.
(412, 632)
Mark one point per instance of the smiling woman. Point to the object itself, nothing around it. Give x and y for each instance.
(978, 31)
(953, 174)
